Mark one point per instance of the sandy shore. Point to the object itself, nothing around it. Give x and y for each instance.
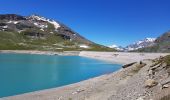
(115, 86)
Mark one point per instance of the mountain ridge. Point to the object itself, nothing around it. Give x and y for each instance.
(136, 45)
(140, 44)
(35, 32)
(161, 44)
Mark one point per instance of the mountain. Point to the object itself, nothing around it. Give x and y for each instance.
(39, 33)
(141, 44)
(118, 48)
(135, 46)
(161, 44)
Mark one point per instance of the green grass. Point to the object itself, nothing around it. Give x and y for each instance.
(19, 41)
(96, 47)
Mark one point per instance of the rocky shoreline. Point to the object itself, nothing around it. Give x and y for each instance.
(139, 81)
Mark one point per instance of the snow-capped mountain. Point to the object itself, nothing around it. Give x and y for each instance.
(119, 48)
(43, 27)
(161, 44)
(141, 44)
(39, 33)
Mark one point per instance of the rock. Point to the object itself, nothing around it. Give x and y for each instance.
(128, 65)
(165, 86)
(168, 71)
(140, 98)
(11, 17)
(150, 72)
(155, 66)
(78, 91)
(150, 83)
(141, 62)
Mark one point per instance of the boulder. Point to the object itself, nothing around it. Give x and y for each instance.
(128, 65)
(140, 98)
(150, 83)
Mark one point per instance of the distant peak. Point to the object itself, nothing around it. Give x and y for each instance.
(119, 48)
(141, 44)
(113, 46)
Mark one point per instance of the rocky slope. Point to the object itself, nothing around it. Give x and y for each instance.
(39, 33)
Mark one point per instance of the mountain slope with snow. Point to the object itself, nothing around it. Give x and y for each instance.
(161, 44)
(135, 46)
(39, 33)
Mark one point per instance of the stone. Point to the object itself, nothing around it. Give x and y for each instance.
(140, 98)
(150, 73)
(165, 86)
(150, 83)
(128, 65)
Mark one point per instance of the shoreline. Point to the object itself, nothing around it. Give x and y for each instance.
(65, 53)
(98, 88)
(111, 57)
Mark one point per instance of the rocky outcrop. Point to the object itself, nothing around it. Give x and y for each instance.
(11, 17)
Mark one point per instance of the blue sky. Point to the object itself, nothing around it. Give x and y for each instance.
(105, 22)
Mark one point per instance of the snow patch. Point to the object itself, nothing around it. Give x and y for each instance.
(40, 25)
(113, 46)
(14, 22)
(56, 25)
(5, 26)
(84, 46)
(42, 29)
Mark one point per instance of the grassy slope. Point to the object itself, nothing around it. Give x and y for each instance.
(18, 41)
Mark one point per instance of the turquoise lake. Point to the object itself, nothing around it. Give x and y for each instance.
(22, 73)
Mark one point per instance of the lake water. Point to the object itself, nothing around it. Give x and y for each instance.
(22, 73)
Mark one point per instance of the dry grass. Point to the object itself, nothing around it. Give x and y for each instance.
(167, 60)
